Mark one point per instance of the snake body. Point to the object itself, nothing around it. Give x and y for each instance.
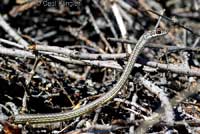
(64, 116)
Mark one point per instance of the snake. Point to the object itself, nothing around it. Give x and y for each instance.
(69, 115)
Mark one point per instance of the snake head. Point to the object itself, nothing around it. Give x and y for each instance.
(155, 33)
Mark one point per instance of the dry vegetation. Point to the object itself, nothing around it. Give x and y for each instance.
(59, 55)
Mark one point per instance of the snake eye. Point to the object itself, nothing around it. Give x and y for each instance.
(158, 31)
